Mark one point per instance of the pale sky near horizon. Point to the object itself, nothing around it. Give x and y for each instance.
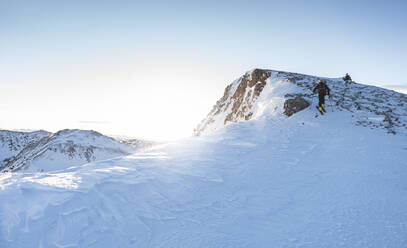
(154, 69)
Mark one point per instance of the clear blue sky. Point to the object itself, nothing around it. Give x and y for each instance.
(89, 59)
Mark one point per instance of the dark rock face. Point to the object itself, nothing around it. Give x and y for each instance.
(294, 105)
(242, 100)
(237, 102)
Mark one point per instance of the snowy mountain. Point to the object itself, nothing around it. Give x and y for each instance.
(260, 91)
(43, 151)
(336, 180)
(398, 88)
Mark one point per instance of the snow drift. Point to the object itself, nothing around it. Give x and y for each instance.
(273, 181)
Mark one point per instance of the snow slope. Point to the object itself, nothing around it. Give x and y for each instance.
(285, 182)
(274, 181)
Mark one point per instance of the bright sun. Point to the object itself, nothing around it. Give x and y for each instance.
(145, 99)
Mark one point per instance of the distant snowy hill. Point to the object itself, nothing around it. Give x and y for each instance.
(137, 144)
(398, 88)
(337, 180)
(43, 151)
(260, 91)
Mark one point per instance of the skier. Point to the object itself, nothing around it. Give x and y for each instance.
(347, 79)
(322, 89)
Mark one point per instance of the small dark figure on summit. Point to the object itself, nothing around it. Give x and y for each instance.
(322, 90)
(347, 78)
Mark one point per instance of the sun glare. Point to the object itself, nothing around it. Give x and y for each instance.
(136, 100)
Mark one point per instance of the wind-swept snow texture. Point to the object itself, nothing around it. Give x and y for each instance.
(274, 181)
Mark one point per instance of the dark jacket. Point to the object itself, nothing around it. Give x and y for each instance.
(322, 89)
(347, 77)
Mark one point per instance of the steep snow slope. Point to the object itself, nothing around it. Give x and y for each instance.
(271, 182)
(12, 142)
(266, 90)
(66, 148)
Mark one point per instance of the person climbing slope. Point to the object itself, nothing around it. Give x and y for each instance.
(322, 90)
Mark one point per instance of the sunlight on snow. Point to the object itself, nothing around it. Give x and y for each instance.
(60, 180)
(5, 180)
(150, 155)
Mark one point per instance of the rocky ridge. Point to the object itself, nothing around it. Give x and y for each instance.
(12, 142)
(268, 90)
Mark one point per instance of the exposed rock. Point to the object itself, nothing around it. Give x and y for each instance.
(238, 99)
(294, 105)
(12, 142)
(246, 93)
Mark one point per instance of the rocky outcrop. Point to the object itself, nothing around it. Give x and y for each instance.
(249, 88)
(238, 99)
(294, 105)
(12, 142)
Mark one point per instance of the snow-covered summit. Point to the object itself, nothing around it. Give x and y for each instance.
(265, 91)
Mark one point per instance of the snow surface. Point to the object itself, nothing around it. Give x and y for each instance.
(270, 182)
